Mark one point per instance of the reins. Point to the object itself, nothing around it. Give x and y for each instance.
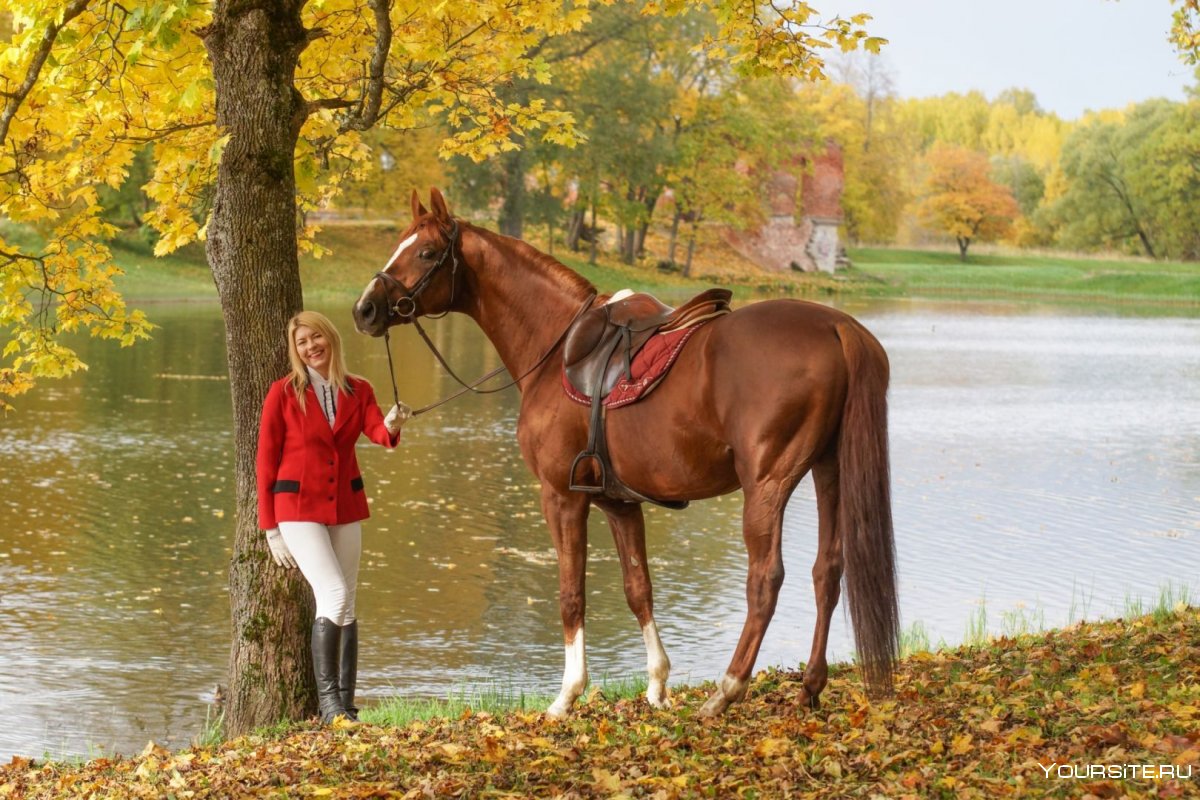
(471, 387)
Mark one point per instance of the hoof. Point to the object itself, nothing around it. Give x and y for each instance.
(715, 705)
(658, 696)
(559, 709)
(813, 701)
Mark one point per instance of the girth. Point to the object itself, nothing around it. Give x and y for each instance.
(599, 350)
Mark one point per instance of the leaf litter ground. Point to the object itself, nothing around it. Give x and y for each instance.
(1031, 717)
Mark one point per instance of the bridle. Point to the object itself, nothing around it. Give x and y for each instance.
(409, 312)
(410, 295)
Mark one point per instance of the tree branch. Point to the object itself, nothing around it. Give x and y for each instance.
(368, 106)
(73, 9)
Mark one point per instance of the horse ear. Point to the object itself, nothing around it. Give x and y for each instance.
(440, 209)
(418, 209)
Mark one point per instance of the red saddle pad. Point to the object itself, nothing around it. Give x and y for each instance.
(648, 368)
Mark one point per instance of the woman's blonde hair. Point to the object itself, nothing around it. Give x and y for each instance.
(319, 323)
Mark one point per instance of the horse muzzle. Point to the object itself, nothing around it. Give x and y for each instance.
(371, 316)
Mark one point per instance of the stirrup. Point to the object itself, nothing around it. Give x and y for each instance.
(579, 487)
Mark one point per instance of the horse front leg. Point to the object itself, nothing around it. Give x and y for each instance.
(629, 533)
(566, 515)
(762, 529)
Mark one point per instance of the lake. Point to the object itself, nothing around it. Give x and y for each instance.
(1045, 467)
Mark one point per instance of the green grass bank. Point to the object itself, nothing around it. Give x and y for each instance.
(356, 252)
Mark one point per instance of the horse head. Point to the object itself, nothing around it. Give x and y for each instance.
(422, 275)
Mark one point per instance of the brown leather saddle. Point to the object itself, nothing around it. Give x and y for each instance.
(599, 350)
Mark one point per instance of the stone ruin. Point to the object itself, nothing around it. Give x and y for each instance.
(808, 241)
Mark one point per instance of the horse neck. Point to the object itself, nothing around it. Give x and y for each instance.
(521, 298)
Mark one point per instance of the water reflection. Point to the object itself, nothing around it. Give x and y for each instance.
(1044, 459)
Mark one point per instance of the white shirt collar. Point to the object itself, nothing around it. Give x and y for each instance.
(315, 379)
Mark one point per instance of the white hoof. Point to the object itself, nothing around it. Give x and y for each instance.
(658, 696)
(560, 708)
(728, 691)
(715, 706)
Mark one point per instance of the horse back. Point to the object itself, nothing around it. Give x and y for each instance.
(766, 380)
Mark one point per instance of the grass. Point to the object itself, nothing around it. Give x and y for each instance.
(922, 273)
(495, 699)
(1025, 621)
(357, 251)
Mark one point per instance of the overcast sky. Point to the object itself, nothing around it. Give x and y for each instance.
(1074, 55)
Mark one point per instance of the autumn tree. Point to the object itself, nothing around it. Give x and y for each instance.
(244, 105)
(962, 200)
(1185, 30)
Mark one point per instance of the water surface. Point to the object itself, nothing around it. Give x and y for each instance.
(1045, 463)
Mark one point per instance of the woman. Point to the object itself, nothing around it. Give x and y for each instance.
(310, 492)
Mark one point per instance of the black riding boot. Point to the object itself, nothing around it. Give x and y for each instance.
(326, 646)
(349, 673)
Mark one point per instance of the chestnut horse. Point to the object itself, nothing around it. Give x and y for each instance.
(757, 399)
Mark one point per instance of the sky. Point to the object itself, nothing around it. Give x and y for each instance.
(1074, 55)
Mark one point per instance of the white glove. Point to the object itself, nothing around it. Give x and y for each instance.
(396, 418)
(279, 551)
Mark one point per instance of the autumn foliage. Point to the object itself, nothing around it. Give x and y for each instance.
(962, 200)
(1017, 718)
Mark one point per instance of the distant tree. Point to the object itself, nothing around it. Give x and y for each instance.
(1129, 181)
(961, 198)
(1022, 178)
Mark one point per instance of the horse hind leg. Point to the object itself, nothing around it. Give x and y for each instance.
(827, 577)
(762, 530)
(566, 516)
(629, 533)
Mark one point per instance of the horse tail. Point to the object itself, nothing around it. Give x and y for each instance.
(864, 512)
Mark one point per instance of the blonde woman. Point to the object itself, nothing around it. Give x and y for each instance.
(311, 500)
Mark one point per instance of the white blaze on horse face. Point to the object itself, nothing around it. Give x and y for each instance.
(574, 677)
(658, 667)
(390, 261)
(399, 250)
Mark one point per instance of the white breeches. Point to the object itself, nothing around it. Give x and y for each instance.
(328, 558)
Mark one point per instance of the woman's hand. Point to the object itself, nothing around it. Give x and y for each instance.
(396, 418)
(279, 551)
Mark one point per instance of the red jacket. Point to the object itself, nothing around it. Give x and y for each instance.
(307, 471)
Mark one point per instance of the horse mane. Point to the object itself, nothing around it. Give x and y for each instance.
(560, 275)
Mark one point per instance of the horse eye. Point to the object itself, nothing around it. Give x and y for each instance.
(426, 254)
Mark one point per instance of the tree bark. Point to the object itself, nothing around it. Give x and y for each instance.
(963, 244)
(595, 235)
(575, 228)
(687, 267)
(650, 200)
(251, 248)
(512, 211)
(674, 240)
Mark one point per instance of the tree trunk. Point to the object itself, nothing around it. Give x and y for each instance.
(512, 211)
(687, 268)
(575, 228)
(595, 235)
(674, 241)
(251, 248)
(628, 240)
(963, 244)
(650, 200)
